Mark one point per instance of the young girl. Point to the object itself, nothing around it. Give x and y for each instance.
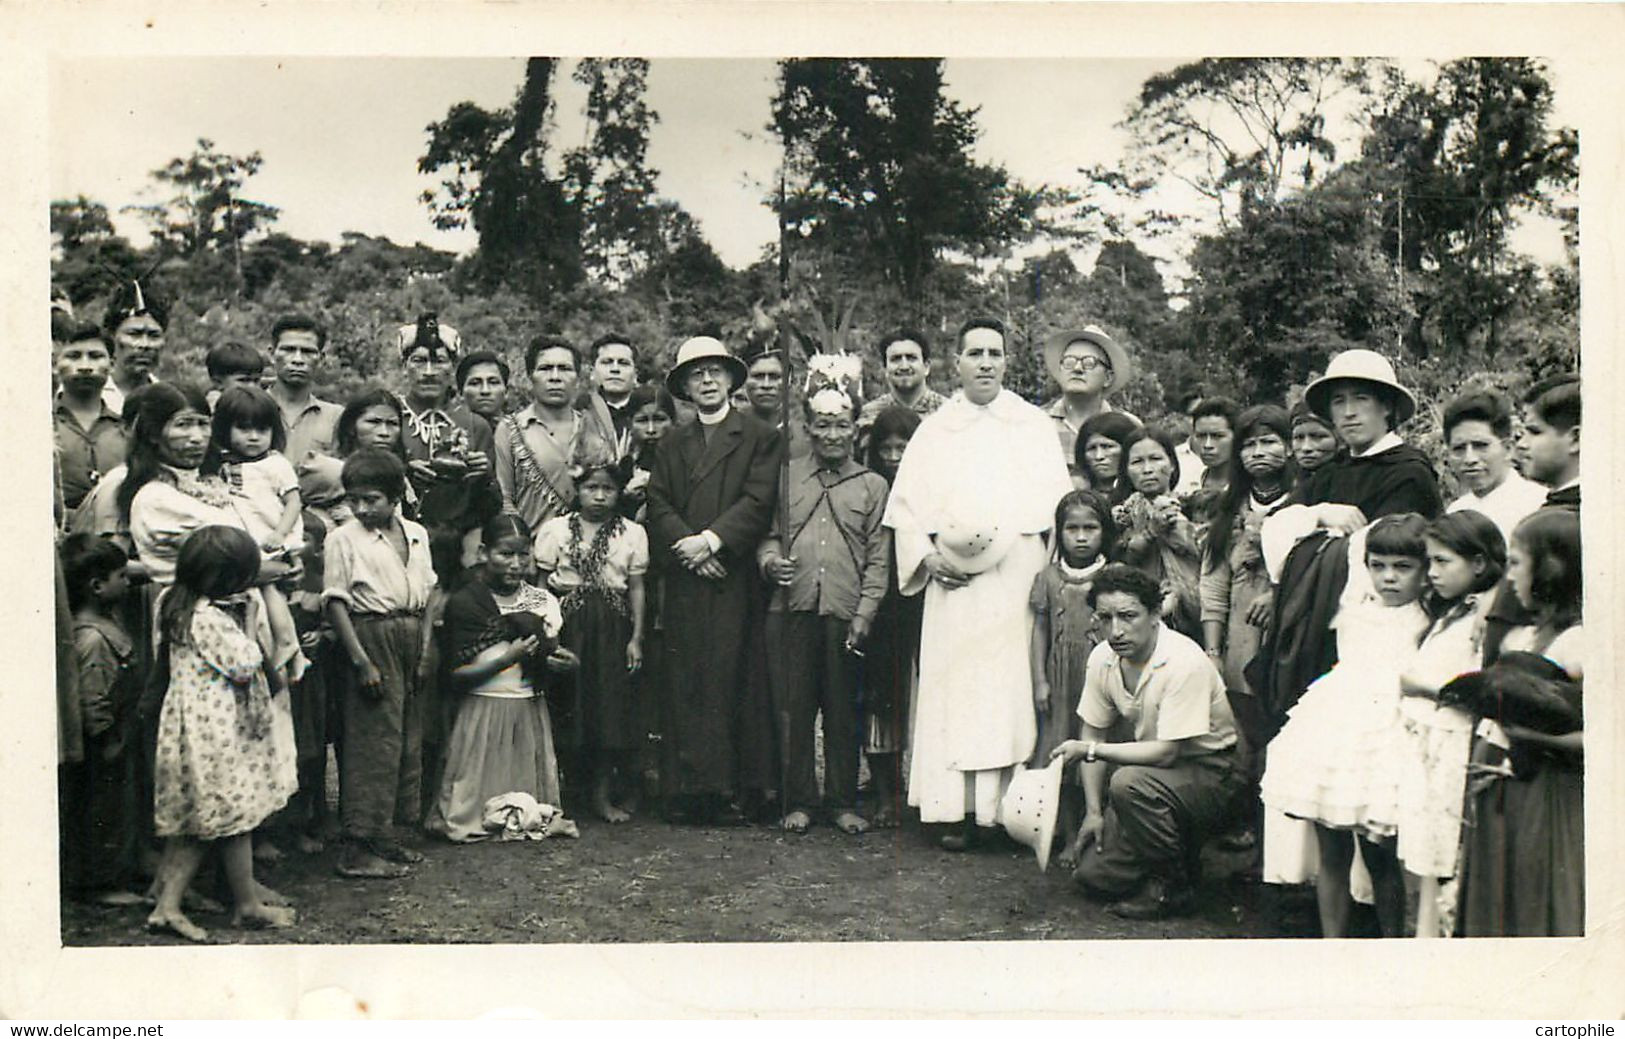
(373, 418)
(1524, 864)
(1154, 535)
(1335, 762)
(225, 755)
(1235, 588)
(1064, 634)
(595, 559)
(498, 634)
(887, 684)
(1466, 558)
(246, 451)
(653, 413)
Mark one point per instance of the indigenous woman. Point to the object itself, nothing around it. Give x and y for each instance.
(974, 496)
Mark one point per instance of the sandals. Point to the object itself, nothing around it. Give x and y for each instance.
(177, 925)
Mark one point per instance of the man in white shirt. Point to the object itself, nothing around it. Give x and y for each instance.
(1478, 436)
(1174, 781)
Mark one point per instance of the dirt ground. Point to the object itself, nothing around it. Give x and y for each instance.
(647, 881)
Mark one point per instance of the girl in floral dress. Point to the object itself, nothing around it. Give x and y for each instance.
(222, 765)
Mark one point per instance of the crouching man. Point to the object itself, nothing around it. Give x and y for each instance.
(1158, 746)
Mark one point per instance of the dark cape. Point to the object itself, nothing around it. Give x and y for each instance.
(709, 711)
(1399, 479)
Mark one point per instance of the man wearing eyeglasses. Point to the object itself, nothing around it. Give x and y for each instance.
(1089, 366)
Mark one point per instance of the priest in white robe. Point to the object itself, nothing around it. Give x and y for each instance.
(973, 499)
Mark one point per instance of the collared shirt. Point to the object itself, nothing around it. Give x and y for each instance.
(86, 455)
(1506, 505)
(1067, 433)
(363, 570)
(1383, 443)
(313, 430)
(842, 552)
(113, 397)
(1180, 696)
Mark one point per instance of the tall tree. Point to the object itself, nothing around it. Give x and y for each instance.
(207, 211)
(610, 178)
(1457, 164)
(90, 256)
(878, 170)
(1239, 131)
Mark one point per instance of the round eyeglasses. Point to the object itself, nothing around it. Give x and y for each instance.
(1083, 364)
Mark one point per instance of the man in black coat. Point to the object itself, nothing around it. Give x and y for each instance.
(711, 498)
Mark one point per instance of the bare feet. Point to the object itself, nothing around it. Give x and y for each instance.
(364, 865)
(796, 822)
(1068, 858)
(851, 823)
(257, 917)
(395, 851)
(271, 897)
(175, 922)
(265, 851)
(118, 899)
(884, 818)
(611, 814)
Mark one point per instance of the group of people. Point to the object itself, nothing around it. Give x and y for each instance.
(499, 618)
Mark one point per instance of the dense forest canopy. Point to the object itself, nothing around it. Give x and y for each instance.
(1338, 203)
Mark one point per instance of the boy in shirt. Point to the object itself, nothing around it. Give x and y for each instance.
(376, 587)
(830, 566)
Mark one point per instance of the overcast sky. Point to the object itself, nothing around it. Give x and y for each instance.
(341, 137)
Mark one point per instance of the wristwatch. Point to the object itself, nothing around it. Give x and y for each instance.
(1089, 750)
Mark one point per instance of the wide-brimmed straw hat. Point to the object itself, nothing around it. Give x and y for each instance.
(1055, 345)
(1031, 805)
(1360, 366)
(974, 547)
(702, 348)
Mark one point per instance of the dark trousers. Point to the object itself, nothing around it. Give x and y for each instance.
(381, 767)
(1156, 822)
(98, 816)
(810, 670)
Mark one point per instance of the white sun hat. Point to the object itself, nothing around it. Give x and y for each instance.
(1031, 805)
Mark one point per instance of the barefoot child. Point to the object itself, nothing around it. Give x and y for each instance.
(595, 559)
(498, 630)
(1064, 634)
(891, 658)
(222, 765)
(99, 798)
(829, 557)
(1466, 558)
(1336, 761)
(378, 580)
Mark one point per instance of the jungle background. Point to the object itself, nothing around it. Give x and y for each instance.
(1266, 214)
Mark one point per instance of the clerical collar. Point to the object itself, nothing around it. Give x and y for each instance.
(716, 417)
(1383, 443)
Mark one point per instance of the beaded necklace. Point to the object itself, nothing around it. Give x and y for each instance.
(588, 561)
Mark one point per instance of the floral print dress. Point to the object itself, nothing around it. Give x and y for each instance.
(225, 758)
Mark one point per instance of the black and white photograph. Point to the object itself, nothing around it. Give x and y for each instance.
(819, 500)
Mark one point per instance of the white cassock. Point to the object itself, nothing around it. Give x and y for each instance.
(995, 465)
